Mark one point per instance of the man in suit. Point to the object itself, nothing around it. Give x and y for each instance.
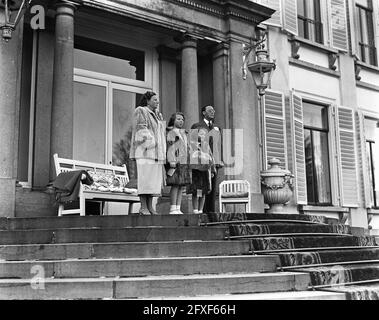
(214, 136)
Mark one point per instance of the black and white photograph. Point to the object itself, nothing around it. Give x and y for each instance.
(188, 156)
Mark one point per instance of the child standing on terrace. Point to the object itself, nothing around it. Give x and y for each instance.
(177, 167)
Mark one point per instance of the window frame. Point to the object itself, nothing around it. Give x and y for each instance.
(372, 117)
(35, 41)
(306, 21)
(372, 183)
(112, 82)
(327, 131)
(332, 138)
(359, 30)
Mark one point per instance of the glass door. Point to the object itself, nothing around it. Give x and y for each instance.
(124, 100)
(103, 122)
(90, 115)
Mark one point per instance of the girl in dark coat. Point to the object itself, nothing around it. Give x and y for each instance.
(177, 167)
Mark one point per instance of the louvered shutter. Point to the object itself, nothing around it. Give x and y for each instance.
(274, 128)
(276, 18)
(298, 148)
(338, 24)
(289, 130)
(347, 165)
(290, 16)
(362, 160)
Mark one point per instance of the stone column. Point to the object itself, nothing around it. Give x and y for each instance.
(62, 111)
(10, 66)
(221, 94)
(221, 101)
(168, 80)
(190, 91)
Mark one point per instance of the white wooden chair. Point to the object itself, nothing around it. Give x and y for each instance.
(234, 192)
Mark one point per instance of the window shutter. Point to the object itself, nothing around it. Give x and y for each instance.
(338, 24)
(274, 128)
(289, 130)
(290, 16)
(298, 148)
(362, 160)
(347, 165)
(276, 18)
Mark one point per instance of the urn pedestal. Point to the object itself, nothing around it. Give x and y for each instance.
(277, 186)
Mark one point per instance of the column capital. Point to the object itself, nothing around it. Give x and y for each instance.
(187, 40)
(67, 7)
(219, 50)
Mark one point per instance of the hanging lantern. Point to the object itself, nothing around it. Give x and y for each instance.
(13, 12)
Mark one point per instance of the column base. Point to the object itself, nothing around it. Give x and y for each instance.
(7, 197)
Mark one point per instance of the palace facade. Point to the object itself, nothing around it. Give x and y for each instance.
(71, 88)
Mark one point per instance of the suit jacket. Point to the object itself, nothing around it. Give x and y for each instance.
(148, 137)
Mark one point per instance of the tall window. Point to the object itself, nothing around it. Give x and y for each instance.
(317, 154)
(26, 109)
(309, 20)
(372, 135)
(366, 39)
(108, 84)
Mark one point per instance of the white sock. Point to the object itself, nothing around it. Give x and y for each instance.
(195, 211)
(172, 209)
(200, 211)
(178, 209)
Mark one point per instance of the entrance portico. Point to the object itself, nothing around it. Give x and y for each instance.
(205, 67)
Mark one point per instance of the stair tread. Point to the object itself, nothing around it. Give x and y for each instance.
(125, 243)
(252, 275)
(99, 260)
(349, 288)
(363, 265)
(103, 221)
(286, 295)
(113, 228)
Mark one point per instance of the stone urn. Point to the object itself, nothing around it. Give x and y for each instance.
(277, 186)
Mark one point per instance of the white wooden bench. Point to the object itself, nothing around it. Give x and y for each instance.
(65, 165)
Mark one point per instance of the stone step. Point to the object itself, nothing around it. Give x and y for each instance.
(132, 234)
(369, 291)
(289, 295)
(328, 256)
(141, 267)
(219, 217)
(244, 229)
(275, 243)
(153, 286)
(346, 273)
(99, 221)
(115, 250)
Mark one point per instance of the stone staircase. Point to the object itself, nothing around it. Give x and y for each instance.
(221, 256)
(140, 257)
(338, 258)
